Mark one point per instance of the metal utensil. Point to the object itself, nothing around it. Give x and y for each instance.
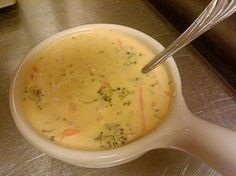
(215, 12)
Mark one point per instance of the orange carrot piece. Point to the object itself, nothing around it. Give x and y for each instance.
(119, 42)
(142, 108)
(35, 69)
(168, 93)
(104, 83)
(34, 73)
(72, 107)
(70, 132)
(32, 76)
(154, 103)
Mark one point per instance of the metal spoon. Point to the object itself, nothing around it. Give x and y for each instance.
(215, 12)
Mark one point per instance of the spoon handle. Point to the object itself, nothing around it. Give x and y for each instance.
(214, 13)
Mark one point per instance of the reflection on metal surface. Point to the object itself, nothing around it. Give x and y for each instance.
(36, 18)
(6, 3)
(31, 21)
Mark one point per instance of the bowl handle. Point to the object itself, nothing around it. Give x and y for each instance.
(211, 143)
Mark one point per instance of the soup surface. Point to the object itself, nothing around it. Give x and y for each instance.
(86, 91)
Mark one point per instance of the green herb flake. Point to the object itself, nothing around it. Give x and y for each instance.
(124, 92)
(106, 93)
(26, 90)
(35, 94)
(48, 131)
(127, 103)
(154, 84)
(92, 101)
(113, 135)
(131, 55)
(118, 113)
(52, 138)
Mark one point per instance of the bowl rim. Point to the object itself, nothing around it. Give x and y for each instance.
(84, 158)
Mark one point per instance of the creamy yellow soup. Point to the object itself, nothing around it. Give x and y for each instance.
(86, 91)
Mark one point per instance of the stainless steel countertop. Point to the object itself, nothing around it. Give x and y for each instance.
(28, 23)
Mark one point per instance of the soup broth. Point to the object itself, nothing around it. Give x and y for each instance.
(86, 91)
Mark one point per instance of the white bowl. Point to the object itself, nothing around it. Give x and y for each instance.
(182, 130)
